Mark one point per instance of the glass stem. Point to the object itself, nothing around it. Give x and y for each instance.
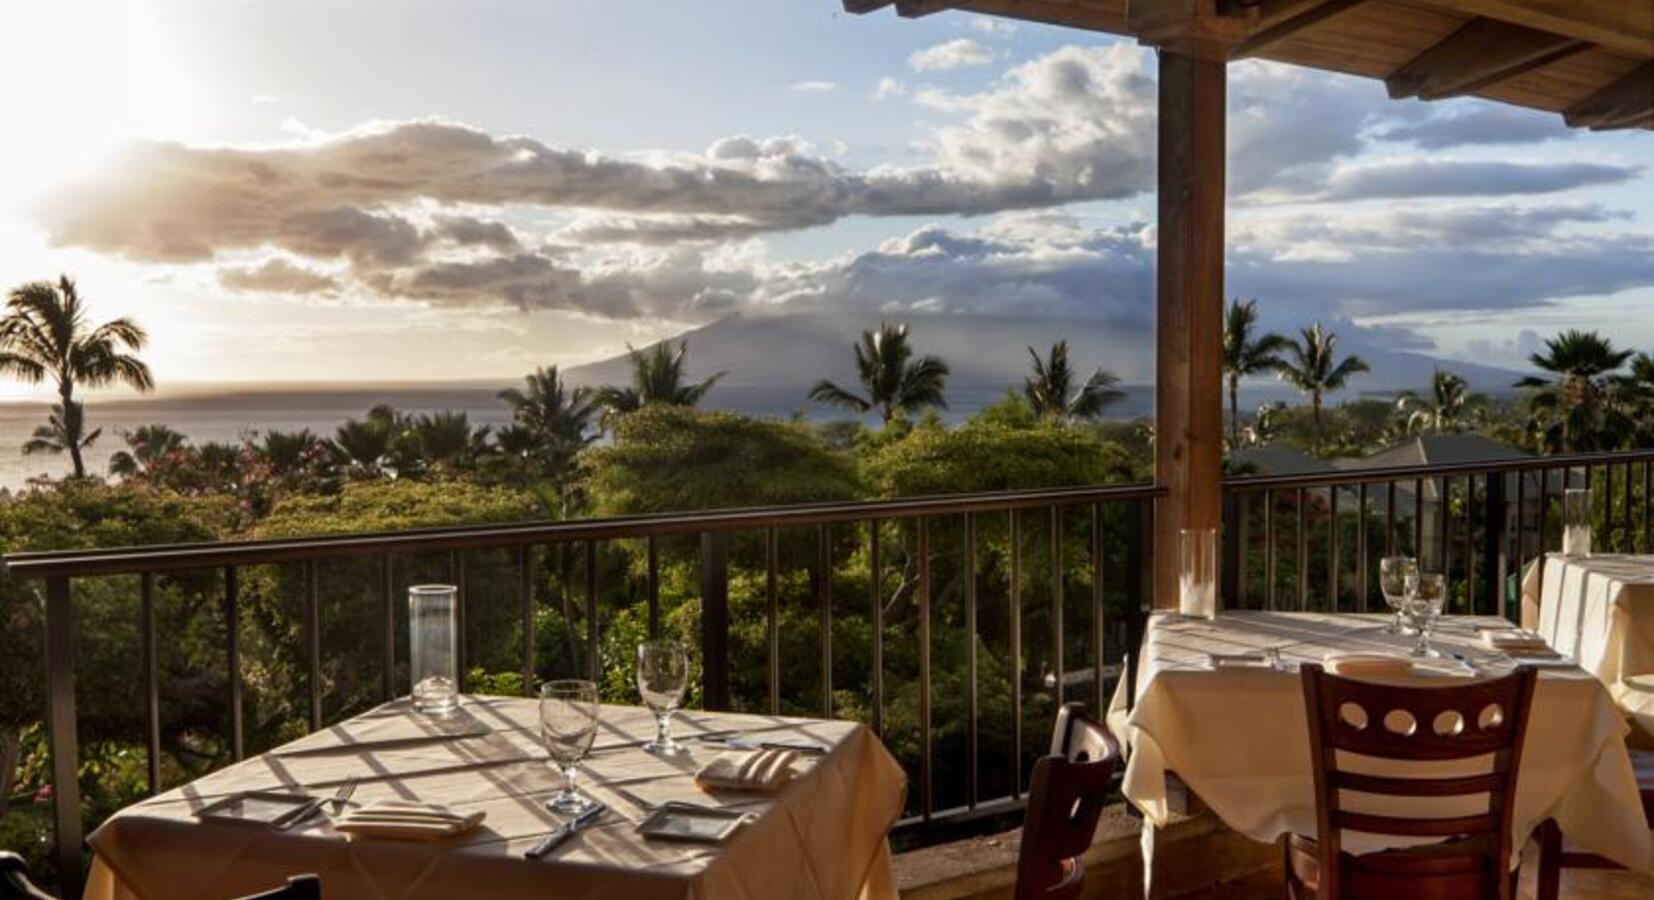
(663, 729)
(569, 773)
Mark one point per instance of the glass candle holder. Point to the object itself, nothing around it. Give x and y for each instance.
(1576, 522)
(433, 652)
(1198, 572)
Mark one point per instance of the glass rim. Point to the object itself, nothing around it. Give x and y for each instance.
(664, 642)
(433, 589)
(567, 685)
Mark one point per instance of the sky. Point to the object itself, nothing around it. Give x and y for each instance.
(357, 190)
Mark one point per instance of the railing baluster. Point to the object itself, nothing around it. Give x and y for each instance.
(1243, 549)
(1418, 520)
(652, 551)
(1469, 543)
(1098, 620)
(1361, 574)
(1390, 517)
(1521, 519)
(313, 642)
(1332, 549)
(875, 592)
(1302, 559)
(1496, 524)
(972, 788)
(1268, 550)
(1015, 621)
(62, 730)
(1648, 500)
(824, 600)
(772, 621)
(232, 652)
(456, 575)
(926, 768)
(1445, 524)
(1057, 600)
(152, 680)
(594, 665)
(1544, 511)
(714, 619)
(1627, 534)
(387, 589)
(525, 599)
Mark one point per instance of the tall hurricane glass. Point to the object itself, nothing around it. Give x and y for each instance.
(569, 712)
(662, 676)
(1392, 582)
(433, 658)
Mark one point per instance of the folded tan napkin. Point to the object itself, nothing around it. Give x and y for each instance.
(1362, 665)
(401, 820)
(1517, 640)
(748, 770)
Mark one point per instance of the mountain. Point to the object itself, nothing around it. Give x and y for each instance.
(771, 361)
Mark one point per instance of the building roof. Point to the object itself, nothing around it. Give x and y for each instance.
(1278, 460)
(1436, 449)
(1591, 60)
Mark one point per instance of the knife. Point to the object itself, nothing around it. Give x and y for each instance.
(748, 744)
(554, 840)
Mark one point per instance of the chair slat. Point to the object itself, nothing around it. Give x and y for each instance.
(1420, 827)
(1418, 787)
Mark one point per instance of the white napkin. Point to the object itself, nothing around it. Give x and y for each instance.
(1367, 665)
(404, 821)
(1517, 641)
(748, 770)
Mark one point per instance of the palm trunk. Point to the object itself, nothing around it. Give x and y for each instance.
(1315, 401)
(1234, 412)
(72, 428)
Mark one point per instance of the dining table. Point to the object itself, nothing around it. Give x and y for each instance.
(821, 836)
(1219, 703)
(1599, 609)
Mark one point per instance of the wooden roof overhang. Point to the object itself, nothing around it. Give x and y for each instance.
(1590, 60)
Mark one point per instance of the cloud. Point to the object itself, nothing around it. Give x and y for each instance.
(277, 276)
(887, 88)
(992, 26)
(1466, 178)
(959, 53)
(813, 87)
(1481, 123)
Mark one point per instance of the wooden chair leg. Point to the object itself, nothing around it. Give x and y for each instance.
(1549, 883)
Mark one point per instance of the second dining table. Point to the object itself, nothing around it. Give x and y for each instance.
(820, 837)
(1238, 735)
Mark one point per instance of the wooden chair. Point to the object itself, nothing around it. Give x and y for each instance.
(1402, 725)
(1065, 800)
(15, 884)
(1554, 856)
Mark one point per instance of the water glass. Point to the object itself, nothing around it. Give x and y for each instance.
(1198, 575)
(662, 676)
(1426, 595)
(1576, 522)
(569, 712)
(1393, 572)
(433, 654)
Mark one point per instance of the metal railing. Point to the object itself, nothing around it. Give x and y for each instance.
(1479, 523)
(911, 523)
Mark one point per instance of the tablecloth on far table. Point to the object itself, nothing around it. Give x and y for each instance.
(1600, 610)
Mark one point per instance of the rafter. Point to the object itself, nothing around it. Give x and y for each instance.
(1482, 53)
(1626, 26)
(858, 7)
(1306, 15)
(1623, 104)
(914, 9)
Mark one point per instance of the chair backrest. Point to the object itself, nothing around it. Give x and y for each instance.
(1407, 724)
(1065, 800)
(14, 880)
(299, 887)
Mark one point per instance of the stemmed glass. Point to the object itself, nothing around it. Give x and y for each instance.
(1393, 572)
(662, 675)
(569, 712)
(1426, 593)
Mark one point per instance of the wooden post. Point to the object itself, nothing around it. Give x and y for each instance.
(1189, 322)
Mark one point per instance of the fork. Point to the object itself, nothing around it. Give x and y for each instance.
(337, 802)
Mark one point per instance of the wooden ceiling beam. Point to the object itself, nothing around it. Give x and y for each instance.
(914, 9)
(857, 7)
(1299, 16)
(1625, 26)
(1482, 53)
(1620, 105)
(1110, 17)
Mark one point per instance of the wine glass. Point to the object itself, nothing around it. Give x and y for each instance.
(1392, 582)
(1426, 593)
(662, 675)
(569, 712)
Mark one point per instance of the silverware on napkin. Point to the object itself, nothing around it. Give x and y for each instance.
(574, 826)
(337, 804)
(740, 743)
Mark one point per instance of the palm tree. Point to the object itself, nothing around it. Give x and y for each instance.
(362, 444)
(657, 378)
(1245, 356)
(889, 375)
(1313, 368)
(1572, 410)
(1050, 389)
(147, 446)
(551, 422)
(447, 438)
(1447, 409)
(45, 335)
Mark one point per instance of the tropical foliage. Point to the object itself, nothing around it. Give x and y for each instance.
(1312, 366)
(892, 381)
(1573, 407)
(1246, 354)
(659, 377)
(1051, 392)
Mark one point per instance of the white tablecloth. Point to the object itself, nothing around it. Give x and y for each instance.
(820, 838)
(1239, 737)
(1600, 611)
